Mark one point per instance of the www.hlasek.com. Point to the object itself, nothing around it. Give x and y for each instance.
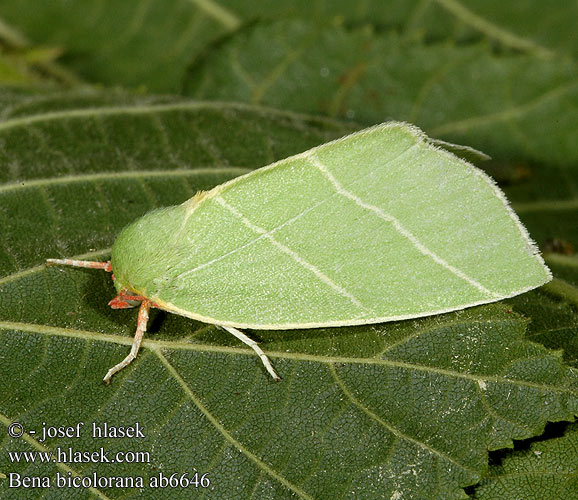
(66, 478)
(72, 456)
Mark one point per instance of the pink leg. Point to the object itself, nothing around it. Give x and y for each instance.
(143, 316)
(124, 301)
(80, 263)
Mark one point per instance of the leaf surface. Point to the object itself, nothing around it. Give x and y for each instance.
(546, 469)
(554, 321)
(467, 94)
(148, 44)
(407, 408)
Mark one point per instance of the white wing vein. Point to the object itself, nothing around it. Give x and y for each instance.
(396, 224)
(300, 260)
(255, 240)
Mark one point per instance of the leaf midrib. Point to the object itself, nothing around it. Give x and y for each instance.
(141, 109)
(127, 174)
(493, 30)
(157, 345)
(224, 432)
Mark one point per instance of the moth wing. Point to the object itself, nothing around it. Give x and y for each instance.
(377, 226)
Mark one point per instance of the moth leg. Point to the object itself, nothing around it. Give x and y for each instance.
(80, 263)
(253, 345)
(124, 301)
(143, 316)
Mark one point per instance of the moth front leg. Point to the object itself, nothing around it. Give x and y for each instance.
(125, 301)
(143, 317)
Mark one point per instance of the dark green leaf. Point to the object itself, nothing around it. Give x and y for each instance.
(553, 309)
(511, 106)
(547, 469)
(400, 410)
(149, 43)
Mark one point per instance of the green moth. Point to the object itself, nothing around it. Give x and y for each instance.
(378, 226)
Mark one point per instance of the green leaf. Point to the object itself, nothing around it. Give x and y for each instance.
(514, 24)
(148, 44)
(467, 94)
(22, 63)
(406, 409)
(547, 469)
(130, 42)
(16, 69)
(554, 321)
(136, 44)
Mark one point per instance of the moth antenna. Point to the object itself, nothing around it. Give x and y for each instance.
(80, 263)
(253, 345)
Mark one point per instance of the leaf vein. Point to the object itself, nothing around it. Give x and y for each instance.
(461, 126)
(492, 30)
(218, 13)
(390, 427)
(184, 346)
(221, 429)
(137, 175)
(493, 413)
(142, 109)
